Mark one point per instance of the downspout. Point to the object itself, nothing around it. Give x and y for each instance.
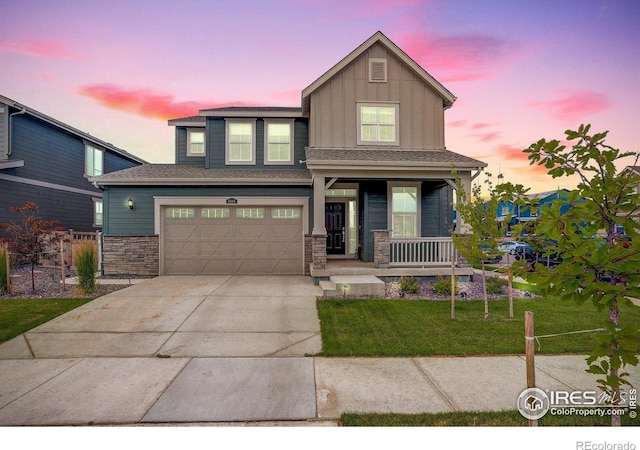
(11, 129)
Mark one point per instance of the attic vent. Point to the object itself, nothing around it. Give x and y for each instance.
(377, 70)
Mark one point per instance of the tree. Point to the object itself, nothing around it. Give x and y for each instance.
(595, 266)
(26, 237)
(479, 241)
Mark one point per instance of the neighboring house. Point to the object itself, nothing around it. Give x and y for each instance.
(359, 167)
(49, 163)
(526, 213)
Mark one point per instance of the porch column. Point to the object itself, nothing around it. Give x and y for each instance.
(461, 227)
(318, 206)
(382, 248)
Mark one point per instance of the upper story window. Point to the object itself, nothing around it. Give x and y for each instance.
(241, 143)
(93, 161)
(195, 142)
(278, 142)
(378, 124)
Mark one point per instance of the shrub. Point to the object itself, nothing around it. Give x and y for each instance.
(4, 272)
(85, 259)
(495, 285)
(443, 286)
(409, 285)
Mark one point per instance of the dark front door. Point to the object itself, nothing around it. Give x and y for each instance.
(334, 221)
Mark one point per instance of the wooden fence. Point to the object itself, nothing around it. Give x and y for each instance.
(68, 239)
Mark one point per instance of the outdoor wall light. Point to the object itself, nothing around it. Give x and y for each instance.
(130, 203)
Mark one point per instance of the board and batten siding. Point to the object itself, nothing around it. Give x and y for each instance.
(437, 209)
(120, 220)
(333, 117)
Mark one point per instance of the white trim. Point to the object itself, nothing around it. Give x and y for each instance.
(204, 143)
(382, 61)
(160, 202)
(268, 122)
(251, 113)
(11, 163)
(418, 186)
(365, 104)
(47, 185)
(227, 160)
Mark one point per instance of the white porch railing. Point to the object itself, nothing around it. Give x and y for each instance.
(429, 251)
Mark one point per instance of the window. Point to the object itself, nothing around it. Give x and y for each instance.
(241, 145)
(180, 213)
(214, 213)
(97, 212)
(93, 161)
(404, 211)
(250, 213)
(195, 143)
(378, 124)
(285, 213)
(278, 142)
(377, 70)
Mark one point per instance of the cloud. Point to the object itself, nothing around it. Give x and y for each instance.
(146, 103)
(454, 58)
(33, 46)
(572, 106)
(488, 136)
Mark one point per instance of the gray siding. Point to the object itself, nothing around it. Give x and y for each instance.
(373, 214)
(4, 133)
(52, 156)
(437, 209)
(181, 150)
(121, 220)
(215, 144)
(333, 106)
(71, 210)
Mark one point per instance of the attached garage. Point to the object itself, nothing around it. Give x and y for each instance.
(226, 239)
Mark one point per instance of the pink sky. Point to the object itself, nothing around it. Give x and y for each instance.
(522, 70)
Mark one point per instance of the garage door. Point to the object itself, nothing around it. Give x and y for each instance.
(232, 240)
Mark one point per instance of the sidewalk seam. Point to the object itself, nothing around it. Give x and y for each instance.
(450, 402)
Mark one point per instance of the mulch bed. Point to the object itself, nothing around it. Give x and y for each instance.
(467, 291)
(48, 284)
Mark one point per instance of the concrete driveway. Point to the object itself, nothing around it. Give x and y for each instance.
(185, 316)
(170, 349)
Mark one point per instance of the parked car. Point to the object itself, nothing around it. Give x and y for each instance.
(510, 247)
(490, 255)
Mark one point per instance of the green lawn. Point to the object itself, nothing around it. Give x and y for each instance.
(20, 315)
(423, 327)
(476, 419)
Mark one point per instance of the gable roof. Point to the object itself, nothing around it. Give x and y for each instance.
(379, 38)
(69, 129)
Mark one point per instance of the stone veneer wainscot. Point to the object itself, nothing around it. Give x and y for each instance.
(131, 255)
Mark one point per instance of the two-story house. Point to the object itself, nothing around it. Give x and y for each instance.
(49, 163)
(361, 164)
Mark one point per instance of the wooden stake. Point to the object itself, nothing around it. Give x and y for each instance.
(510, 277)
(530, 355)
(453, 289)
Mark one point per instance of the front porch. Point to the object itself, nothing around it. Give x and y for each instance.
(396, 258)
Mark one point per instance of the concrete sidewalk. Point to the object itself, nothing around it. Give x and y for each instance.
(181, 350)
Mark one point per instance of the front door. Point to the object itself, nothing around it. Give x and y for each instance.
(335, 224)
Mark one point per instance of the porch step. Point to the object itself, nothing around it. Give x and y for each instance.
(328, 288)
(352, 286)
